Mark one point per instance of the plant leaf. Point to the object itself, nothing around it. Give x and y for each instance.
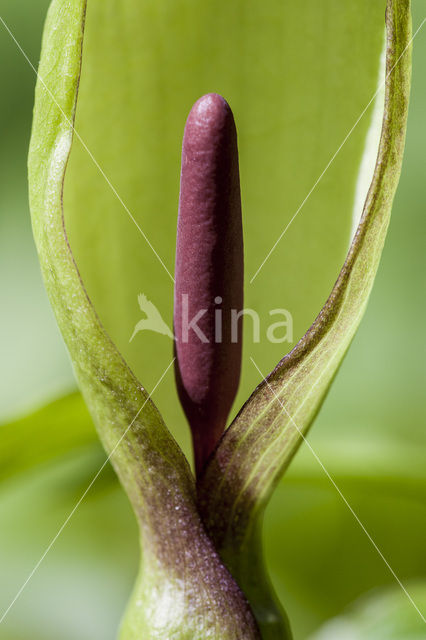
(60, 427)
(312, 541)
(29, 338)
(382, 615)
(177, 555)
(264, 437)
(80, 590)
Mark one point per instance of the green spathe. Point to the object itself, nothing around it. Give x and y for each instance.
(153, 470)
(266, 434)
(184, 590)
(297, 76)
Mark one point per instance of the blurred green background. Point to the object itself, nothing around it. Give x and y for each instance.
(370, 433)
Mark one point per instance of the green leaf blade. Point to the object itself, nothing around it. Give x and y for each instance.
(61, 427)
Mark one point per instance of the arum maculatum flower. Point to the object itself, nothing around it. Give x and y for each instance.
(209, 273)
(202, 574)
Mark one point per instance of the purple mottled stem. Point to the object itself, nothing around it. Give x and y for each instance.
(209, 273)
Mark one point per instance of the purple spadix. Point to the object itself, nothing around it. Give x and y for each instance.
(209, 273)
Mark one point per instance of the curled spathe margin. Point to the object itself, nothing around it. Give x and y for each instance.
(259, 445)
(183, 589)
